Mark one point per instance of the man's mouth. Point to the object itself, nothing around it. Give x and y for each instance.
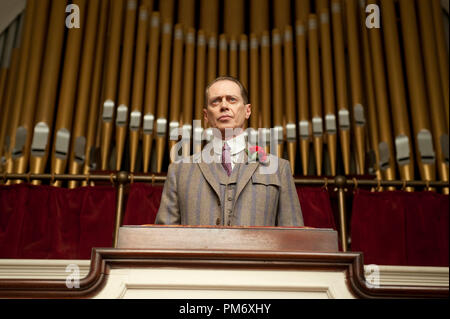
(224, 118)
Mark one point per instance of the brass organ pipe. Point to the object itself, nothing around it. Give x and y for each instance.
(21, 151)
(14, 33)
(18, 98)
(63, 124)
(186, 13)
(304, 124)
(442, 53)
(166, 7)
(359, 120)
(265, 88)
(316, 102)
(212, 58)
(397, 92)
(175, 91)
(302, 9)
(259, 16)
(328, 87)
(148, 4)
(209, 13)
(3, 65)
(233, 57)
(277, 85)
(138, 85)
(112, 70)
(199, 80)
(417, 91)
(122, 110)
(254, 82)
(341, 83)
(150, 90)
(199, 72)
(385, 147)
(233, 17)
(78, 138)
(188, 84)
(46, 102)
(291, 131)
(163, 93)
(94, 118)
(440, 135)
(223, 55)
(243, 60)
(281, 11)
(370, 96)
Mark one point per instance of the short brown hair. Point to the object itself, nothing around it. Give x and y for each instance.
(244, 93)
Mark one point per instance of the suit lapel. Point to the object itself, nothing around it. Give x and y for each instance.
(245, 173)
(209, 176)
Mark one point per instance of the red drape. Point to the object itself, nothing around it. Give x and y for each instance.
(316, 207)
(55, 223)
(401, 228)
(142, 204)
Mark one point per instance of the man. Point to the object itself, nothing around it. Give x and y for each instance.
(230, 190)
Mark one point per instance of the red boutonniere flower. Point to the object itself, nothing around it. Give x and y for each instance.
(257, 153)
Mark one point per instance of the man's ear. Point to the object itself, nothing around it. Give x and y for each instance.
(205, 114)
(248, 111)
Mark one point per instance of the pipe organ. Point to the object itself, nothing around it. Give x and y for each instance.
(343, 86)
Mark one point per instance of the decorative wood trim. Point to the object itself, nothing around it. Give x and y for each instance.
(104, 259)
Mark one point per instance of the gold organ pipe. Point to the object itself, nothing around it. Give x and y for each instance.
(94, 117)
(78, 138)
(63, 124)
(302, 9)
(212, 58)
(3, 65)
(199, 78)
(175, 91)
(188, 86)
(386, 149)
(14, 33)
(370, 97)
(254, 82)
(17, 100)
(259, 16)
(302, 96)
(233, 57)
(43, 119)
(397, 93)
(243, 60)
(289, 80)
(341, 83)
(277, 85)
(186, 13)
(122, 110)
(233, 17)
(209, 13)
(316, 102)
(442, 53)
(166, 7)
(417, 91)
(138, 85)
(436, 105)
(150, 90)
(110, 90)
(328, 87)
(265, 88)
(281, 12)
(356, 83)
(163, 93)
(223, 55)
(21, 151)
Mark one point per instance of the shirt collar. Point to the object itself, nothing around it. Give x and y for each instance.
(236, 144)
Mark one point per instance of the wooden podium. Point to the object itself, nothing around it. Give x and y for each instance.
(199, 262)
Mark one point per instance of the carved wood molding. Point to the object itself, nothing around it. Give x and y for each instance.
(103, 259)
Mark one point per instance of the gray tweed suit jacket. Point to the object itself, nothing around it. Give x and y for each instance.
(198, 193)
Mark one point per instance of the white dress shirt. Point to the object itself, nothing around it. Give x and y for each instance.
(237, 146)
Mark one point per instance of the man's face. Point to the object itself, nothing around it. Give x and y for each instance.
(226, 108)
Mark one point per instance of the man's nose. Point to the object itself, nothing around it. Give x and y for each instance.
(224, 103)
